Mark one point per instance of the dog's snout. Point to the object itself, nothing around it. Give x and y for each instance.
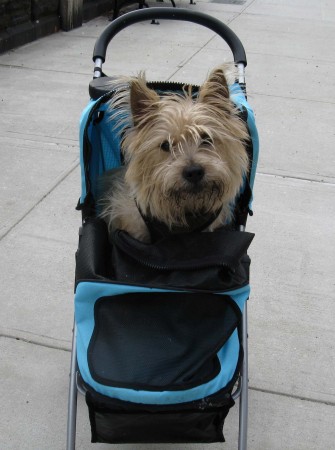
(193, 174)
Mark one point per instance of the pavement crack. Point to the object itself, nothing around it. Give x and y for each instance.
(30, 208)
(243, 10)
(287, 97)
(296, 177)
(35, 341)
(33, 137)
(293, 396)
(42, 69)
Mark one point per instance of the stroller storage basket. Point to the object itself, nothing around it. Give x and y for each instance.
(117, 422)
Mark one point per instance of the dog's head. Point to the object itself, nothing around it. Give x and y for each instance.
(185, 156)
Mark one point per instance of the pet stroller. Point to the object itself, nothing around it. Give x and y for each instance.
(160, 334)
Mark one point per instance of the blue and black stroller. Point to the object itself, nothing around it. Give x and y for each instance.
(161, 352)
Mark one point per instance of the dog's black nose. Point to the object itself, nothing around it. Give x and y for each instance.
(193, 174)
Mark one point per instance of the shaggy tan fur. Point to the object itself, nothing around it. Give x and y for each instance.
(183, 156)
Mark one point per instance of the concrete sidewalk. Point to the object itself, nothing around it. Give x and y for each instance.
(44, 87)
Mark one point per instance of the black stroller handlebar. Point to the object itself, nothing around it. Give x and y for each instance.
(182, 14)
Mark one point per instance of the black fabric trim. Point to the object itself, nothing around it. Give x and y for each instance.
(203, 262)
(244, 88)
(214, 401)
(87, 208)
(208, 261)
(242, 202)
(89, 203)
(116, 421)
(170, 289)
(166, 87)
(196, 426)
(221, 248)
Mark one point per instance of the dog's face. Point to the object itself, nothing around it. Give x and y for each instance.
(184, 156)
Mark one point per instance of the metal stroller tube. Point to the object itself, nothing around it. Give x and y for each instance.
(241, 79)
(72, 403)
(97, 68)
(236, 46)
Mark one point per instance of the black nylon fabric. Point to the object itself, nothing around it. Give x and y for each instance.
(175, 427)
(206, 261)
(113, 421)
(160, 341)
(93, 254)
(187, 251)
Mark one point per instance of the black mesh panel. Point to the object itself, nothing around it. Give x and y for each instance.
(160, 341)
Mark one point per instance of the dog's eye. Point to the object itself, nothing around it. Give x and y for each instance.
(206, 139)
(165, 146)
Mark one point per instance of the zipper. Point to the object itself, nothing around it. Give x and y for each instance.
(161, 287)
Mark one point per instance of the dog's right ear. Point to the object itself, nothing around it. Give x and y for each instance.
(143, 101)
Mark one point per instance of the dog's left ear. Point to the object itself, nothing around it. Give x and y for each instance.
(143, 101)
(215, 89)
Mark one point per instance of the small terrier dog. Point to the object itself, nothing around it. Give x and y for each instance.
(185, 159)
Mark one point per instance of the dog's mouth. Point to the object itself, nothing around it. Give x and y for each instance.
(201, 195)
(193, 189)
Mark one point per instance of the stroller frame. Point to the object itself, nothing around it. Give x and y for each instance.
(241, 390)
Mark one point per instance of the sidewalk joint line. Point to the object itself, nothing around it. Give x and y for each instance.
(310, 100)
(243, 10)
(296, 177)
(42, 69)
(36, 342)
(293, 396)
(58, 140)
(56, 183)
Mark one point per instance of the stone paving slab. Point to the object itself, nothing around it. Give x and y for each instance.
(38, 263)
(300, 9)
(284, 36)
(287, 146)
(45, 104)
(34, 396)
(292, 280)
(24, 183)
(74, 55)
(266, 75)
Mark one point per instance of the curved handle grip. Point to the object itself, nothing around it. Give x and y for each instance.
(173, 14)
